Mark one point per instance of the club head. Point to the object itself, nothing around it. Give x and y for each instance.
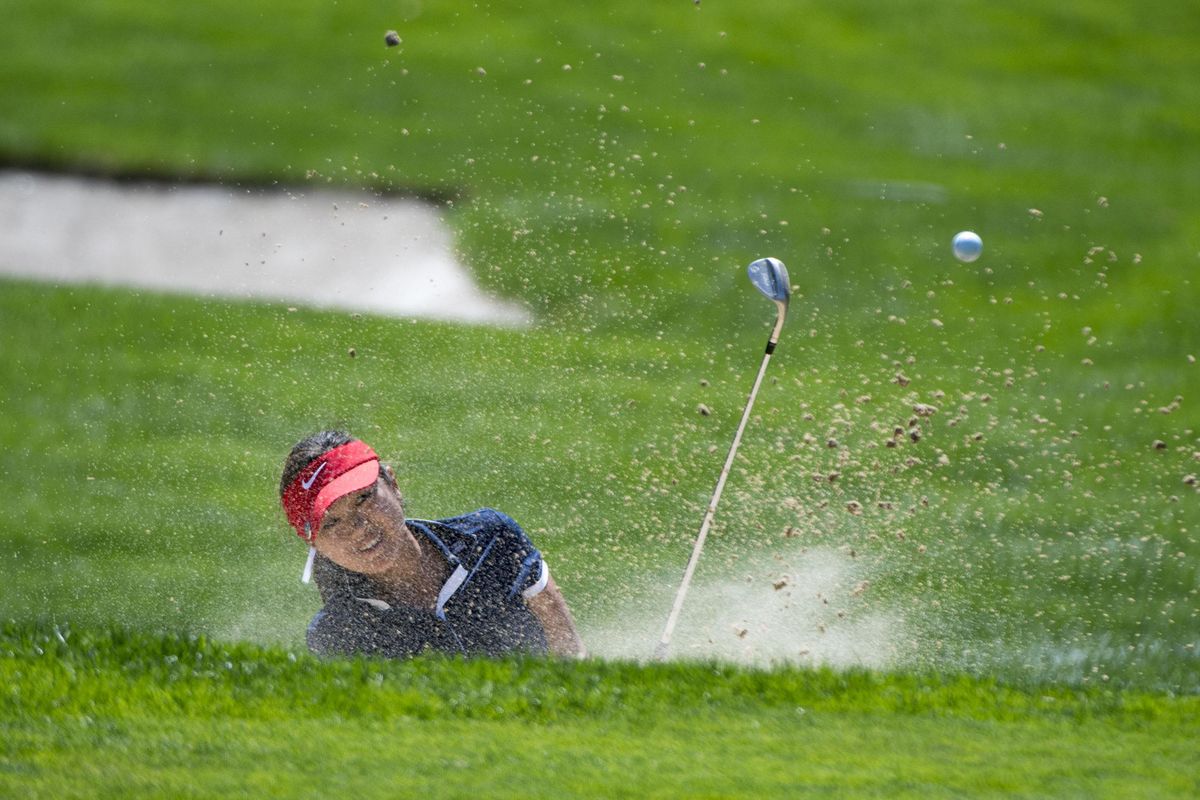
(770, 277)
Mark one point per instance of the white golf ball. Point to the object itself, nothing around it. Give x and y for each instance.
(967, 246)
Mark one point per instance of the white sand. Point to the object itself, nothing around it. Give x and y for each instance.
(315, 247)
(821, 613)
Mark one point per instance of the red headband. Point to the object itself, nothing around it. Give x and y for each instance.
(336, 473)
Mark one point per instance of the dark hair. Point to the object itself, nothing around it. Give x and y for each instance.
(308, 450)
(332, 579)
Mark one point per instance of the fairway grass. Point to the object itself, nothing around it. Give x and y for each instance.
(110, 713)
(705, 754)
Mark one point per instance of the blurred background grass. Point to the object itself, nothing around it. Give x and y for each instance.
(612, 167)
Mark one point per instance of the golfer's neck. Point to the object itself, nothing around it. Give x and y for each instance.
(418, 579)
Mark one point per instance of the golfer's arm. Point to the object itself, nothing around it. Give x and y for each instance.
(550, 607)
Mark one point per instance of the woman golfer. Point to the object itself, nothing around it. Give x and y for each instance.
(396, 587)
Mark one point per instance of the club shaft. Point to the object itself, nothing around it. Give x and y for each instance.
(660, 652)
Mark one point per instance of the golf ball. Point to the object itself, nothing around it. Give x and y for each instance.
(967, 246)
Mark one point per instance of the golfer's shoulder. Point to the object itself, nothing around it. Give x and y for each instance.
(487, 516)
(497, 519)
(480, 537)
(482, 523)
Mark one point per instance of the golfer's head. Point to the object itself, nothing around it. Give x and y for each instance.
(318, 472)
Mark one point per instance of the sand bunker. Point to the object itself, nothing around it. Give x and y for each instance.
(326, 248)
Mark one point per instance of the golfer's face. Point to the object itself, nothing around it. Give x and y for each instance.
(364, 531)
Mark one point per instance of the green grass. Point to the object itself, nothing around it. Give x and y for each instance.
(173, 715)
(679, 138)
(1032, 536)
(161, 422)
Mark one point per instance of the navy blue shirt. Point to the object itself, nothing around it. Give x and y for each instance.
(480, 609)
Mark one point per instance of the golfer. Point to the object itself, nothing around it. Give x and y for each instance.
(395, 587)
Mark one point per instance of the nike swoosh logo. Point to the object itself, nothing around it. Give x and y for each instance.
(308, 483)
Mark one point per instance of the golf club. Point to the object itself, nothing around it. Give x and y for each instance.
(770, 277)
